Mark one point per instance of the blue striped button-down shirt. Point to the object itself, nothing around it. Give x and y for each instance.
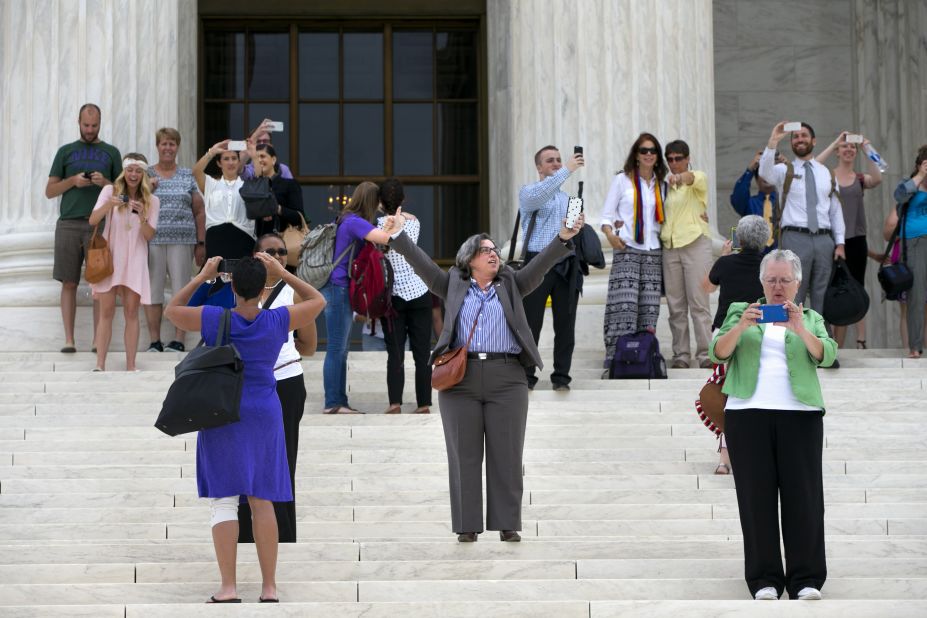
(545, 198)
(492, 332)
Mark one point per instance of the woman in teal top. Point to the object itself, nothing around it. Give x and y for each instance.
(913, 192)
(775, 432)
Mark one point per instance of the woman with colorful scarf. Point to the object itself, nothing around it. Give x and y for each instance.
(631, 220)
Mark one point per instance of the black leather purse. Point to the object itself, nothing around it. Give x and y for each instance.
(896, 279)
(206, 391)
(259, 198)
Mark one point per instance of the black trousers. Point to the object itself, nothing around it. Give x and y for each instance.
(292, 394)
(776, 457)
(563, 306)
(412, 319)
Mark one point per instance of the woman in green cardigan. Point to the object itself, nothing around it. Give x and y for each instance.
(775, 432)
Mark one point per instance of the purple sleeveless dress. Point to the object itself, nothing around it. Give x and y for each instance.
(248, 458)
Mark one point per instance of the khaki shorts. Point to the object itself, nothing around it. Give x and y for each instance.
(71, 238)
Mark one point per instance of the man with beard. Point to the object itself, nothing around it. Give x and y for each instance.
(811, 221)
(79, 172)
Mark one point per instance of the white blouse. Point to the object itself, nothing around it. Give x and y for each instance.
(406, 284)
(224, 205)
(288, 352)
(619, 206)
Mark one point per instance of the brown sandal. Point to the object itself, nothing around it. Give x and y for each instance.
(341, 410)
(394, 409)
(422, 410)
(723, 469)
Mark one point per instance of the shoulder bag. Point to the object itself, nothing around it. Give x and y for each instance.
(206, 391)
(711, 401)
(259, 199)
(511, 262)
(293, 237)
(450, 368)
(897, 278)
(99, 257)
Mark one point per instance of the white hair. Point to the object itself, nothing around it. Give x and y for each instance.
(782, 255)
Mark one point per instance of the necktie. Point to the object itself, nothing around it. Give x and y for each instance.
(767, 214)
(811, 197)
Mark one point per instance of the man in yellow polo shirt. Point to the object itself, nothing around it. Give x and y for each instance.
(687, 256)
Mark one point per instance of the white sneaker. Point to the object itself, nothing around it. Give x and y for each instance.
(809, 594)
(767, 594)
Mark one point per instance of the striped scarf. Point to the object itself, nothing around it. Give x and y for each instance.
(659, 217)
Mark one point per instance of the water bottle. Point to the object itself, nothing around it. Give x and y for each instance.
(875, 157)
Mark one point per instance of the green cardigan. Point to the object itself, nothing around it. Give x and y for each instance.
(743, 366)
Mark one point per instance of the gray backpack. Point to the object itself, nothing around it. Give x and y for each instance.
(315, 255)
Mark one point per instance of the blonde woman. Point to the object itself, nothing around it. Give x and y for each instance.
(130, 212)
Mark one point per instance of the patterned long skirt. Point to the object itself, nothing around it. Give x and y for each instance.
(633, 302)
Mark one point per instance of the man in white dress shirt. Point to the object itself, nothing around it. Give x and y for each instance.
(811, 219)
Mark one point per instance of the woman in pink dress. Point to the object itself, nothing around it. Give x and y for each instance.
(131, 214)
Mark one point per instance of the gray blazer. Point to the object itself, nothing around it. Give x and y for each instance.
(511, 286)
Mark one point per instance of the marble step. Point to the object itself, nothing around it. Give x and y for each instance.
(295, 571)
(428, 591)
(444, 548)
(441, 513)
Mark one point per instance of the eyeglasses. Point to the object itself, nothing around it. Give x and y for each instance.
(275, 252)
(488, 250)
(672, 159)
(645, 151)
(778, 280)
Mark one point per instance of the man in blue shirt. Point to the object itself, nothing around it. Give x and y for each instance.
(547, 205)
(763, 204)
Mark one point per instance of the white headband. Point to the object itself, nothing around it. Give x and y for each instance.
(127, 162)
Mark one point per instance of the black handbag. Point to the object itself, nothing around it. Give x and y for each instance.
(206, 391)
(259, 198)
(896, 279)
(845, 301)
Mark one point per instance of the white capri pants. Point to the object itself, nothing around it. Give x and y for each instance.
(176, 260)
(223, 509)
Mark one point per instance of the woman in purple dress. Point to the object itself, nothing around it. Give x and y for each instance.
(248, 458)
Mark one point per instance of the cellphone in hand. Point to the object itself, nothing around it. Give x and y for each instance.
(853, 138)
(574, 209)
(735, 243)
(124, 198)
(275, 125)
(227, 266)
(792, 126)
(577, 150)
(773, 313)
(238, 145)
(88, 175)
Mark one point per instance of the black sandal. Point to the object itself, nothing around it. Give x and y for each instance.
(215, 600)
(861, 344)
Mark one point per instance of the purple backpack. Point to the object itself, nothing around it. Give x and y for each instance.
(637, 357)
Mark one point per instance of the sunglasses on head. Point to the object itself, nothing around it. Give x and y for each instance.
(645, 151)
(275, 252)
(674, 158)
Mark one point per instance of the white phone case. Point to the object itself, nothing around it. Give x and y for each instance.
(854, 139)
(574, 209)
(238, 145)
(276, 126)
(792, 126)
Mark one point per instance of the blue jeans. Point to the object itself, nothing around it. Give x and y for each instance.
(338, 324)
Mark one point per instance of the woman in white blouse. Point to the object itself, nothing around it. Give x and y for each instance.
(229, 231)
(631, 220)
(412, 304)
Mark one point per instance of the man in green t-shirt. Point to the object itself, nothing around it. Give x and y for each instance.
(79, 172)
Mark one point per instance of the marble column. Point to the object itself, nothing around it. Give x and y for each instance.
(595, 73)
(136, 59)
(891, 93)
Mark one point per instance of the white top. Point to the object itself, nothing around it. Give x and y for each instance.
(795, 213)
(619, 206)
(224, 205)
(406, 284)
(288, 351)
(773, 389)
